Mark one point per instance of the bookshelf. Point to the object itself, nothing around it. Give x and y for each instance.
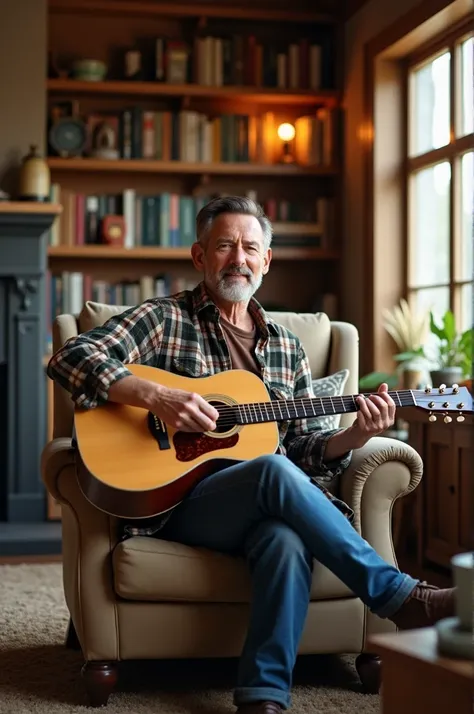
(247, 69)
(84, 165)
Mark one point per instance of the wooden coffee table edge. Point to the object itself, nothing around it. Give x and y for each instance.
(421, 646)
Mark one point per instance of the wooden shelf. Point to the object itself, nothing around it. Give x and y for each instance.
(329, 97)
(30, 207)
(288, 228)
(103, 252)
(260, 95)
(183, 167)
(196, 10)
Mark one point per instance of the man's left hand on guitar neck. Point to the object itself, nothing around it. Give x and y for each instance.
(376, 414)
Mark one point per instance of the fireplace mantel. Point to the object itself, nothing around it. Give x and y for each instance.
(23, 264)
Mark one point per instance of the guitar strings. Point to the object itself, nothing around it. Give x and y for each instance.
(229, 415)
(303, 402)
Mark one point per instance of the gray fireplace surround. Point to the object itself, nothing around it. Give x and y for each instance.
(24, 528)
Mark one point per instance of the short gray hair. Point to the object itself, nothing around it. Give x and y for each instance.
(232, 204)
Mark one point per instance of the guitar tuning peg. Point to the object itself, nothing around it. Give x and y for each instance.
(441, 388)
(460, 418)
(432, 417)
(455, 388)
(447, 419)
(427, 388)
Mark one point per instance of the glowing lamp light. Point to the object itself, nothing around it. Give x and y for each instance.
(286, 132)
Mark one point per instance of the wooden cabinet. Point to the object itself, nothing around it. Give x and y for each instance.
(443, 505)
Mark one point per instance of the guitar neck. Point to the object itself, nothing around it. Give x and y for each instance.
(290, 409)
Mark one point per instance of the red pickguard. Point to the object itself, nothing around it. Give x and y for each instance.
(189, 446)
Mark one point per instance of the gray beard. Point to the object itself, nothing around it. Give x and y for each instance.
(232, 291)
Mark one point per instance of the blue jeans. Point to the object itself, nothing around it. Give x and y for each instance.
(269, 511)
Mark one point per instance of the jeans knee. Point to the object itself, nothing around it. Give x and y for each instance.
(277, 471)
(274, 537)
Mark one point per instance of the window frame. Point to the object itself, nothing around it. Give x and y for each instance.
(452, 153)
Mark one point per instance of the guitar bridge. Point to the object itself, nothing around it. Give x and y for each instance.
(158, 431)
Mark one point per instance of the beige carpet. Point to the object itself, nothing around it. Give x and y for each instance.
(39, 676)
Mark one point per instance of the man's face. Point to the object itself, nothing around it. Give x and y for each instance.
(233, 258)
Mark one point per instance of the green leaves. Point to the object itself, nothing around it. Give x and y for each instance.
(454, 350)
(409, 356)
(448, 330)
(372, 381)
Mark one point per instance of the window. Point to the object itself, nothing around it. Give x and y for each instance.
(440, 177)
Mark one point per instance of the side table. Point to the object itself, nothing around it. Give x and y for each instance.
(415, 679)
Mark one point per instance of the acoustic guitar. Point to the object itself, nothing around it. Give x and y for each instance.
(132, 465)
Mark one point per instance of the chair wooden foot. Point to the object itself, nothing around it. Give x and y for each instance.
(100, 679)
(72, 640)
(369, 669)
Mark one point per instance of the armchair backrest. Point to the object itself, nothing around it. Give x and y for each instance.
(330, 346)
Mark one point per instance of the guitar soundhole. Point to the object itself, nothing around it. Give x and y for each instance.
(226, 422)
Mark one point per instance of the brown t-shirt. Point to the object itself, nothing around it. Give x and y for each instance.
(241, 344)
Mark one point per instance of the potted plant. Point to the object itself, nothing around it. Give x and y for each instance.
(447, 362)
(408, 330)
(452, 360)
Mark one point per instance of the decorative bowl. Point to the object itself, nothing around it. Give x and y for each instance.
(89, 70)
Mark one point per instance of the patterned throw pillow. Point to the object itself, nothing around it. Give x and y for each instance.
(330, 386)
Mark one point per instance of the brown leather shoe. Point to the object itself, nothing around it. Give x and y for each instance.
(260, 708)
(424, 607)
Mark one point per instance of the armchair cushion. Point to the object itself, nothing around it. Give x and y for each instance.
(159, 571)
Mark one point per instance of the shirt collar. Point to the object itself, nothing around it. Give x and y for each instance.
(202, 301)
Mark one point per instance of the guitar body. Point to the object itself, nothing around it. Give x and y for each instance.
(132, 465)
(130, 468)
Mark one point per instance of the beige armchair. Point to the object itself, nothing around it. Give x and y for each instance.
(148, 599)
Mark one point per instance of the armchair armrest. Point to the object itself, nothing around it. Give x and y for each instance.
(379, 473)
(57, 455)
(88, 539)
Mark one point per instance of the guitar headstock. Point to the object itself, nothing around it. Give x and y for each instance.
(443, 401)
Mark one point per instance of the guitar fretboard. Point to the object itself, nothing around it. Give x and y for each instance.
(290, 409)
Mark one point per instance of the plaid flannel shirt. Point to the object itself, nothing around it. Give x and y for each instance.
(182, 334)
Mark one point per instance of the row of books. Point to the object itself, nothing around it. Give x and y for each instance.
(215, 60)
(193, 136)
(221, 61)
(68, 291)
(166, 219)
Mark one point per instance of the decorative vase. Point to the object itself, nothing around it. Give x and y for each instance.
(35, 178)
(447, 376)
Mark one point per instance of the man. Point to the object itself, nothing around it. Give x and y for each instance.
(270, 509)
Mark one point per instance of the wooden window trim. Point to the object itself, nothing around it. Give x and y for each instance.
(461, 30)
(445, 153)
(452, 152)
(405, 38)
